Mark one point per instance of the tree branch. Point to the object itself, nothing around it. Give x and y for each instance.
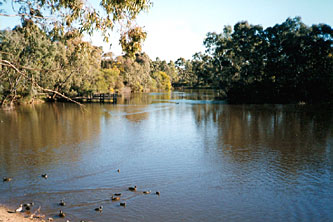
(7, 63)
(59, 94)
(23, 14)
(28, 68)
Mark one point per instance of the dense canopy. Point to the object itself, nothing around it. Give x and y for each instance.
(46, 53)
(287, 63)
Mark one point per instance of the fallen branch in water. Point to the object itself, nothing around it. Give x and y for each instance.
(59, 94)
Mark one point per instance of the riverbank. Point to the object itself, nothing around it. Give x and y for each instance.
(5, 216)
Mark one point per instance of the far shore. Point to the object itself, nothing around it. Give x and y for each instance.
(6, 216)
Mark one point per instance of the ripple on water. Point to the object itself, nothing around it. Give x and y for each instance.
(211, 162)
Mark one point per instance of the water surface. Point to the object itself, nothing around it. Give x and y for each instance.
(211, 161)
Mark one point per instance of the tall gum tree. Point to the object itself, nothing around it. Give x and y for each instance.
(62, 20)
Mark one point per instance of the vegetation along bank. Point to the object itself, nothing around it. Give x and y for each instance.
(287, 63)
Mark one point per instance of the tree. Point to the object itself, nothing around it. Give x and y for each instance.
(51, 34)
(135, 71)
(185, 73)
(35, 64)
(202, 68)
(162, 80)
(131, 41)
(287, 63)
(57, 17)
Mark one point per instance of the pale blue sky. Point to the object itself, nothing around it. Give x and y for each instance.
(177, 28)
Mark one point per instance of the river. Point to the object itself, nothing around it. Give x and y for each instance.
(210, 161)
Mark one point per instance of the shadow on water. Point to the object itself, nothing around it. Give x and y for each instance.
(289, 138)
(284, 128)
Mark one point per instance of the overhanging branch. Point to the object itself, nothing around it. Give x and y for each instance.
(9, 64)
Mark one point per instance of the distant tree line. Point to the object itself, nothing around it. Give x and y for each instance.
(140, 73)
(287, 63)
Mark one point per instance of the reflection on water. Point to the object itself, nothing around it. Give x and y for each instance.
(210, 161)
(42, 129)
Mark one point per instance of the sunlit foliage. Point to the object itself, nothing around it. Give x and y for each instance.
(57, 17)
(31, 62)
(161, 80)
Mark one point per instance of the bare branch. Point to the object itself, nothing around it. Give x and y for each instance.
(28, 68)
(24, 14)
(7, 63)
(59, 94)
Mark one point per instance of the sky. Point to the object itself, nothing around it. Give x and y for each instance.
(177, 28)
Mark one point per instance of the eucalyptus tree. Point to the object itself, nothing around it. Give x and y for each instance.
(202, 67)
(60, 25)
(60, 16)
(25, 61)
(41, 65)
(135, 71)
(172, 71)
(300, 61)
(161, 80)
(219, 47)
(168, 68)
(289, 62)
(186, 76)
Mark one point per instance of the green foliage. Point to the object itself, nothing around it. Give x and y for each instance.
(168, 68)
(108, 81)
(31, 61)
(135, 71)
(289, 62)
(186, 76)
(57, 17)
(201, 67)
(131, 41)
(162, 80)
(47, 53)
(141, 74)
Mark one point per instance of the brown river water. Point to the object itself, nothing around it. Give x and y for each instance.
(210, 161)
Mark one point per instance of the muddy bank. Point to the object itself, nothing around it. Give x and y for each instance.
(6, 216)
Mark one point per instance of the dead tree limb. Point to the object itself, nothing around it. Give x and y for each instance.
(9, 64)
(59, 94)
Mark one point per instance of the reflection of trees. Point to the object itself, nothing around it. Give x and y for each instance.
(296, 134)
(140, 102)
(137, 114)
(32, 135)
(134, 98)
(143, 98)
(200, 94)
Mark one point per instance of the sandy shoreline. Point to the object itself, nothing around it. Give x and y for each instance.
(5, 216)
